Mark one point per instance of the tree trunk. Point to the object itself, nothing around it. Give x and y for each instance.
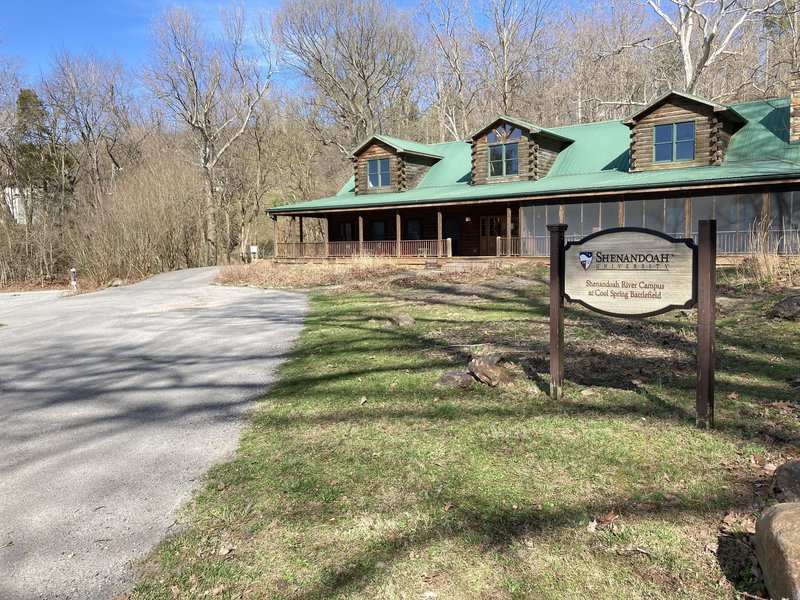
(211, 219)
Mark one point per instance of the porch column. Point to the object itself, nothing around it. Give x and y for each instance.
(325, 236)
(360, 235)
(687, 216)
(438, 233)
(274, 236)
(508, 230)
(398, 231)
(520, 217)
(301, 229)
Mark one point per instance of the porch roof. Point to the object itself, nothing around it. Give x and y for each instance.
(597, 161)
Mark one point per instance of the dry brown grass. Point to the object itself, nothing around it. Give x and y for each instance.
(277, 275)
(765, 267)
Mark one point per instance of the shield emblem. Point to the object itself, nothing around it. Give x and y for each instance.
(586, 259)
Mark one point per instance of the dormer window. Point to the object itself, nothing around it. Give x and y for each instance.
(673, 142)
(503, 154)
(378, 173)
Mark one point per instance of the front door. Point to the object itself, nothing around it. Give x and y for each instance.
(491, 229)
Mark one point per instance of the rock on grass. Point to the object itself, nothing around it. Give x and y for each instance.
(788, 309)
(456, 379)
(488, 373)
(787, 481)
(778, 549)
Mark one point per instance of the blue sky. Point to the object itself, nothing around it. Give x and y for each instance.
(32, 30)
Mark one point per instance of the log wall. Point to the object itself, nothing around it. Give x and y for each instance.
(480, 160)
(677, 110)
(360, 169)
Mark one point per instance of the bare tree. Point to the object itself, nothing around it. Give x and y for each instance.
(705, 30)
(508, 35)
(90, 96)
(454, 88)
(212, 85)
(357, 56)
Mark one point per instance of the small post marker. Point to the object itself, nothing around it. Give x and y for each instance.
(73, 279)
(706, 314)
(556, 309)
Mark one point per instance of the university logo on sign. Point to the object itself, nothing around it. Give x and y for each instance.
(586, 260)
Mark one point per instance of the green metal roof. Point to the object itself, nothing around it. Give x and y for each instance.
(401, 145)
(596, 161)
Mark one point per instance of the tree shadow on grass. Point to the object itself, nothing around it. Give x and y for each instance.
(498, 526)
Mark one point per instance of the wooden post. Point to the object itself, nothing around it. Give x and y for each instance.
(438, 233)
(275, 236)
(498, 246)
(325, 237)
(508, 230)
(398, 230)
(520, 220)
(706, 316)
(301, 230)
(687, 216)
(556, 309)
(449, 247)
(360, 235)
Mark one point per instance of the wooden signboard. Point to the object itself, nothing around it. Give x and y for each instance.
(631, 273)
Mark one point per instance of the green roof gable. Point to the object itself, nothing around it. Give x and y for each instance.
(400, 145)
(597, 160)
(532, 127)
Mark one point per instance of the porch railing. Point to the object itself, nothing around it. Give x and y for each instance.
(300, 249)
(783, 241)
(342, 249)
(385, 248)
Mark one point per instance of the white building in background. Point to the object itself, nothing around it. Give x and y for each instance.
(13, 198)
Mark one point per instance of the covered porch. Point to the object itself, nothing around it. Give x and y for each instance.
(749, 221)
(458, 231)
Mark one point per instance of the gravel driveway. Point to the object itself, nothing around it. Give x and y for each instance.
(112, 404)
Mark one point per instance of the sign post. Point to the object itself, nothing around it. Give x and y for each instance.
(632, 272)
(556, 309)
(706, 318)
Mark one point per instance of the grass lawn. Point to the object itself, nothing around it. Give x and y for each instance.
(358, 478)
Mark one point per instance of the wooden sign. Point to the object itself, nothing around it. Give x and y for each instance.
(630, 272)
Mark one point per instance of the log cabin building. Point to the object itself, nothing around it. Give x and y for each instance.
(674, 162)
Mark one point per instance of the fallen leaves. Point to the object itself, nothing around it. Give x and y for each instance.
(767, 467)
(784, 407)
(609, 521)
(734, 521)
